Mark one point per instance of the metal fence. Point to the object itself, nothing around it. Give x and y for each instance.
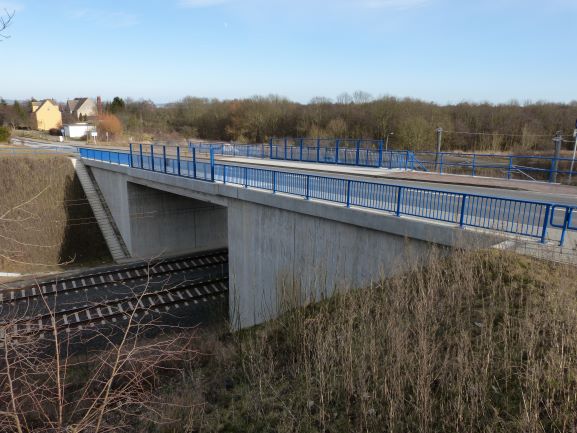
(521, 167)
(520, 217)
(375, 153)
(363, 153)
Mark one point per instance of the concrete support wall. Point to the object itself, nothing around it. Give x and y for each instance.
(113, 187)
(164, 223)
(154, 222)
(279, 258)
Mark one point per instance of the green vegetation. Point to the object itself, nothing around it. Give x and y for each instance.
(477, 342)
(4, 134)
(46, 222)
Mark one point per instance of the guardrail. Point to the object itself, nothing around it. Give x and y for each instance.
(526, 167)
(521, 217)
(38, 147)
(317, 150)
(375, 153)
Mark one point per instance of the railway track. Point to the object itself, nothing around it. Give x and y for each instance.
(107, 296)
(113, 276)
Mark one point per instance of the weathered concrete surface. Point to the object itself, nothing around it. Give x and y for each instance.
(283, 250)
(280, 258)
(154, 222)
(164, 223)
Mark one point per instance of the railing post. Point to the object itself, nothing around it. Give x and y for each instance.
(337, 151)
(224, 174)
(349, 193)
(130, 157)
(141, 157)
(474, 161)
(178, 159)
(246, 177)
(193, 164)
(285, 148)
(274, 182)
(164, 157)
(358, 150)
(152, 156)
(301, 149)
(566, 224)
(307, 187)
(463, 204)
(399, 197)
(318, 150)
(545, 224)
(380, 153)
(211, 164)
(441, 164)
(510, 168)
(270, 147)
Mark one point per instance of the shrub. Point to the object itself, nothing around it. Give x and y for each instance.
(109, 123)
(4, 134)
(55, 131)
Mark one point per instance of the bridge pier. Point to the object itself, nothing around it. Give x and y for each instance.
(280, 259)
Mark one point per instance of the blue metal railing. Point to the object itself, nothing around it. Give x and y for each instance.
(363, 153)
(370, 153)
(520, 217)
(527, 167)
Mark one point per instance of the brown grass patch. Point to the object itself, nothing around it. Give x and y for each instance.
(480, 342)
(46, 219)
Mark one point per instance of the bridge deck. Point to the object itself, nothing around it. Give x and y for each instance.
(414, 176)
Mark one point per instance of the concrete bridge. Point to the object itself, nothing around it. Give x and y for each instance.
(294, 238)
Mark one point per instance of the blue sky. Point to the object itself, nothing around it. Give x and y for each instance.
(445, 51)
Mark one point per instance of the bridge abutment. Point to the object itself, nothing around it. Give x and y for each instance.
(153, 222)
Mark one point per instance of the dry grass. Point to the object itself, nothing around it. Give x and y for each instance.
(478, 342)
(45, 218)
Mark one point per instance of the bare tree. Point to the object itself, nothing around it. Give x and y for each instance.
(47, 385)
(5, 21)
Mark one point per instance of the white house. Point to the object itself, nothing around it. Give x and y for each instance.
(77, 130)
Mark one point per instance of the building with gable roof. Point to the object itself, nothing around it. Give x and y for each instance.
(81, 108)
(45, 115)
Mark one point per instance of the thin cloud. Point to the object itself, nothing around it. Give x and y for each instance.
(10, 6)
(395, 4)
(201, 3)
(104, 18)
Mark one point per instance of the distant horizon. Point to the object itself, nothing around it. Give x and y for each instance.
(309, 102)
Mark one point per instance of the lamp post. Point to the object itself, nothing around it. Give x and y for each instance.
(387, 140)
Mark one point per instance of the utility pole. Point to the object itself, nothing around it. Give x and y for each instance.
(554, 163)
(439, 132)
(574, 151)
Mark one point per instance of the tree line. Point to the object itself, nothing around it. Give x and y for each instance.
(409, 123)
